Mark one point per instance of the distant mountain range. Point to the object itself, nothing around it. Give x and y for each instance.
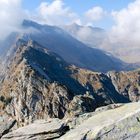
(96, 37)
(91, 36)
(69, 48)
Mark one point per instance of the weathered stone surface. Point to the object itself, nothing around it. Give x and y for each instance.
(116, 124)
(39, 130)
(79, 119)
(119, 123)
(108, 107)
(5, 127)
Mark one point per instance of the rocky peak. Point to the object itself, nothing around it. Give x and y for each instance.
(38, 84)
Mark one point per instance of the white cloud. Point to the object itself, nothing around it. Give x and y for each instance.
(10, 16)
(128, 22)
(126, 32)
(95, 14)
(53, 13)
(56, 13)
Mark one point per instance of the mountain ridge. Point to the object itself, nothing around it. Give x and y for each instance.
(36, 76)
(37, 83)
(69, 48)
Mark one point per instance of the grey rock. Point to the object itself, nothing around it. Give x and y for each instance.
(115, 124)
(5, 127)
(39, 130)
(119, 123)
(127, 84)
(108, 107)
(75, 121)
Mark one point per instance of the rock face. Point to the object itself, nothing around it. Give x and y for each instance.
(119, 123)
(127, 84)
(38, 84)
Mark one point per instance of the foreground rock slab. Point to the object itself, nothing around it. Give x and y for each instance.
(116, 124)
(120, 122)
(40, 130)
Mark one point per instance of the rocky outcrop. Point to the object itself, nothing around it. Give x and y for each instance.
(78, 120)
(118, 124)
(122, 122)
(37, 84)
(39, 130)
(127, 84)
(99, 85)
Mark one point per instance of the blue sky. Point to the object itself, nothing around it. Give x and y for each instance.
(80, 6)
